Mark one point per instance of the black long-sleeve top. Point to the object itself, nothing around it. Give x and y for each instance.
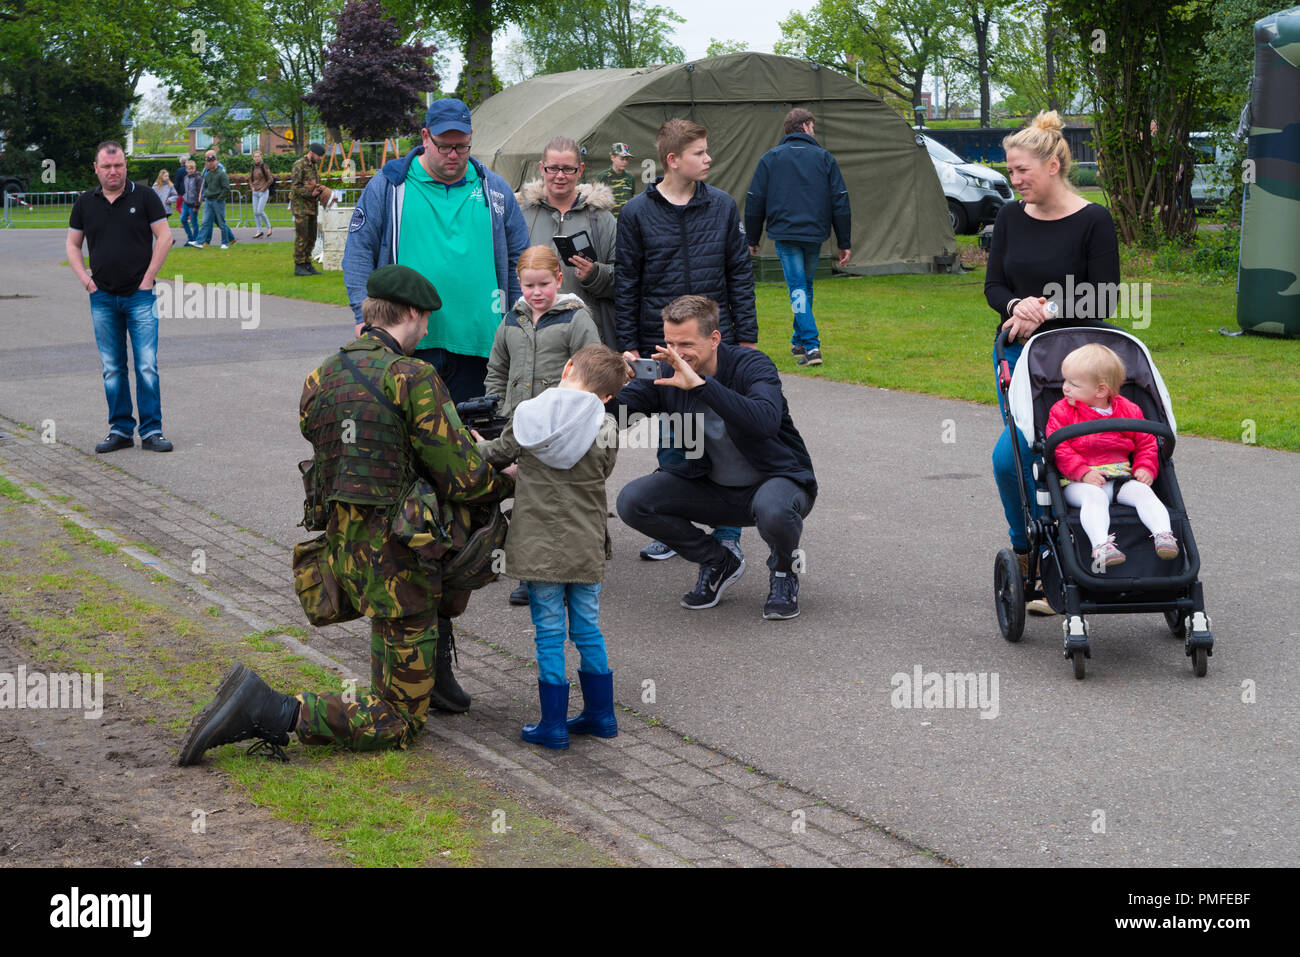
(1076, 252)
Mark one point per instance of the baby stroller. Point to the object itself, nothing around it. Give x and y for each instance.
(1060, 553)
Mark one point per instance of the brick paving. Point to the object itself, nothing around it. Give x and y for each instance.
(660, 799)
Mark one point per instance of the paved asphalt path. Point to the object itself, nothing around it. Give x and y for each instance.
(900, 550)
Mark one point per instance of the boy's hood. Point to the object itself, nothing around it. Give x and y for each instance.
(565, 300)
(559, 425)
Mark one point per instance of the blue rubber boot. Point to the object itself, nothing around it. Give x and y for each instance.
(597, 706)
(551, 731)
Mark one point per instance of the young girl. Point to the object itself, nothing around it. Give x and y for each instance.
(162, 185)
(537, 337)
(260, 182)
(1093, 375)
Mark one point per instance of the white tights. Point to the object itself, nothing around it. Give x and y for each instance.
(1093, 503)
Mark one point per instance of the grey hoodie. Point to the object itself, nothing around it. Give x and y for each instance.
(559, 425)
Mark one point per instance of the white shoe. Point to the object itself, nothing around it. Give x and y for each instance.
(224, 246)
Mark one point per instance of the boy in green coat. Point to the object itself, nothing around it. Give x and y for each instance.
(565, 444)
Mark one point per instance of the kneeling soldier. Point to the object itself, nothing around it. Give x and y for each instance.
(376, 418)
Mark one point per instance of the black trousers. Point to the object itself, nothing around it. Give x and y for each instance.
(666, 507)
(462, 375)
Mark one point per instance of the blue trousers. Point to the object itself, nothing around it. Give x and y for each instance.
(799, 264)
(547, 603)
(1004, 469)
(214, 211)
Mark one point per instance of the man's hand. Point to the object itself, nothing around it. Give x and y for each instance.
(326, 194)
(684, 377)
(1029, 314)
(753, 250)
(628, 359)
(1143, 476)
(1093, 477)
(477, 437)
(511, 470)
(582, 267)
(844, 256)
(90, 285)
(146, 284)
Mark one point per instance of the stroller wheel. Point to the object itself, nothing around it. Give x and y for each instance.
(1009, 595)
(1078, 665)
(1177, 622)
(1200, 662)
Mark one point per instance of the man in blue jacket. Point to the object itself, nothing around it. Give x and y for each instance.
(752, 467)
(797, 188)
(448, 217)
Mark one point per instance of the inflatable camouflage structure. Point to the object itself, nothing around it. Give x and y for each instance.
(1268, 280)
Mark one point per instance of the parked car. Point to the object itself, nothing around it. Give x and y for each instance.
(975, 193)
(1212, 177)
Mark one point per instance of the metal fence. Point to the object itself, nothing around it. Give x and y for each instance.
(51, 210)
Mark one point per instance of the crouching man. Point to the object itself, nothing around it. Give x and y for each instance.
(752, 468)
(375, 417)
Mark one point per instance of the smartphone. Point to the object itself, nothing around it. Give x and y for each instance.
(646, 369)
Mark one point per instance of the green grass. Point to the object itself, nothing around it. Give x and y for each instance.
(9, 490)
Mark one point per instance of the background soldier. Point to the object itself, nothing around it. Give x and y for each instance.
(412, 430)
(617, 178)
(306, 192)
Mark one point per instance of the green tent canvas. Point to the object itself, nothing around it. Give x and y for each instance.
(900, 217)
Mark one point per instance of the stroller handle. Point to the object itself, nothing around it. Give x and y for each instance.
(1000, 358)
(1067, 432)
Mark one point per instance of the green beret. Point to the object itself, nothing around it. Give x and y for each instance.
(403, 284)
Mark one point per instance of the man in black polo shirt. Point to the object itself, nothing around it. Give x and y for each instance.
(126, 227)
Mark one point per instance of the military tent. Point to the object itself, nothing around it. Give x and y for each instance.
(900, 216)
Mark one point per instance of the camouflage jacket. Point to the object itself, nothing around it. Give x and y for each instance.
(382, 576)
(622, 185)
(305, 176)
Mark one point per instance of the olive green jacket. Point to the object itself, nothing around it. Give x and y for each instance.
(527, 358)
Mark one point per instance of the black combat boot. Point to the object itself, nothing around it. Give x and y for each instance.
(447, 695)
(245, 707)
(303, 269)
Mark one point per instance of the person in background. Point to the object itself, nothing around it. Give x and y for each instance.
(620, 182)
(191, 197)
(260, 183)
(162, 185)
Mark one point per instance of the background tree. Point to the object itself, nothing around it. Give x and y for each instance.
(723, 47)
(976, 22)
(473, 23)
(373, 84)
(156, 124)
(1036, 60)
(599, 34)
(1142, 69)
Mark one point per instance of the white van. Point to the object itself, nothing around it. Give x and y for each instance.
(975, 193)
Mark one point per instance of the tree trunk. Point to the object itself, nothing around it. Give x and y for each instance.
(1049, 59)
(478, 53)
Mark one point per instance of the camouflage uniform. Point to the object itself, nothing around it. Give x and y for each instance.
(305, 176)
(365, 479)
(622, 185)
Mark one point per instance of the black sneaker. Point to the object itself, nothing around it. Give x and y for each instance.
(813, 357)
(520, 595)
(156, 443)
(245, 707)
(797, 350)
(656, 552)
(113, 442)
(713, 581)
(302, 269)
(782, 596)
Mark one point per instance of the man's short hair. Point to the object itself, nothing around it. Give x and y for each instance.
(382, 312)
(674, 136)
(795, 119)
(700, 308)
(109, 146)
(601, 369)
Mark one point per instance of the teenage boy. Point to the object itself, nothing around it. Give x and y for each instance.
(682, 237)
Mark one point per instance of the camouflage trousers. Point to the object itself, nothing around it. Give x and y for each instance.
(402, 659)
(304, 239)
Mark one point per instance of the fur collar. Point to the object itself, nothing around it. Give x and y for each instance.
(595, 195)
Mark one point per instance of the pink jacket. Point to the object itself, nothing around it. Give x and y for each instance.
(1075, 457)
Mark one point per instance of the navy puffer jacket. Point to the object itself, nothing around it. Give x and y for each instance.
(666, 251)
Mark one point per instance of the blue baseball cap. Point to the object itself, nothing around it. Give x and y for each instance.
(447, 115)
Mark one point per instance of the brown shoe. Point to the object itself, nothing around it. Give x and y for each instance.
(1038, 606)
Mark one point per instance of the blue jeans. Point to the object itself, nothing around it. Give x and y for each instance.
(116, 317)
(670, 453)
(547, 602)
(190, 220)
(799, 263)
(1004, 469)
(214, 209)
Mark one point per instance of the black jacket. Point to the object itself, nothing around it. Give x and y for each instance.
(665, 251)
(746, 393)
(797, 188)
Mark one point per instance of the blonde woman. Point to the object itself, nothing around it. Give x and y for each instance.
(260, 182)
(162, 185)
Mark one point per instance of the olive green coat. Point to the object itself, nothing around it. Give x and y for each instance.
(527, 358)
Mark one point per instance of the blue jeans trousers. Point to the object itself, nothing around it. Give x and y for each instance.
(547, 603)
(190, 221)
(799, 264)
(1004, 470)
(115, 318)
(214, 210)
